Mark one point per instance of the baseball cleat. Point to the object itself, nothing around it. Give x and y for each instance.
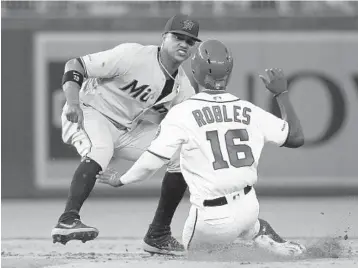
(160, 241)
(169, 246)
(286, 248)
(63, 233)
(269, 240)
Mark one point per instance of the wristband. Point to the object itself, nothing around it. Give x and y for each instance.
(276, 95)
(74, 76)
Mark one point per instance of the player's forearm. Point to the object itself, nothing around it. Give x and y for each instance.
(143, 168)
(72, 88)
(295, 136)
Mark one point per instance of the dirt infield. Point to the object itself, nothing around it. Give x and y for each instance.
(329, 227)
(26, 253)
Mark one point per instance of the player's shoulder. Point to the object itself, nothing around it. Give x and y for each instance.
(128, 46)
(258, 112)
(179, 110)
(135, 48)
(180, 106)
(249, 104)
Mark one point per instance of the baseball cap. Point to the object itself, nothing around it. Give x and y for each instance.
(183, 24)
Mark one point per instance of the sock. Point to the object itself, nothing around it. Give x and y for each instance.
(82, 184)
(172, 192)
(266, 229)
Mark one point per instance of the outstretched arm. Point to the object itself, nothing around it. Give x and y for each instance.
(295, 136)
(143, 168)
(170, 136)
(277, 84)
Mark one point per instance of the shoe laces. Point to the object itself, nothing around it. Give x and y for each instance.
(171, 241)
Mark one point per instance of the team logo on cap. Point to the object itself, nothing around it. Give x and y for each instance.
(188, 25)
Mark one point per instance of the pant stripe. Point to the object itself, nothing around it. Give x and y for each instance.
(90, 149)
(192, 235)
(90, 146)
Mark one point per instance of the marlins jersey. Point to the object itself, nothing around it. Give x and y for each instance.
(222, 138)
(125, 84)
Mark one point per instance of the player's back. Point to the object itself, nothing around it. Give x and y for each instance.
(224, 145)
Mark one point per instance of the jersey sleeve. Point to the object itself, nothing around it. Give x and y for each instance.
(143, 168)
(109, 63)
(170, 136)
(274, 129)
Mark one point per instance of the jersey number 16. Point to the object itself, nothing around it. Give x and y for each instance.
(232, 149)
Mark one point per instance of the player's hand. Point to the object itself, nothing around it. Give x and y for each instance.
(74, 114)
(276, 82)
(109, 176)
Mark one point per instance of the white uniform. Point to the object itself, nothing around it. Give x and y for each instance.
(221, 139)
(120, 103)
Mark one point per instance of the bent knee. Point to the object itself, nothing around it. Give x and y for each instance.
(101, 153)
(173, 167)
(174, 164)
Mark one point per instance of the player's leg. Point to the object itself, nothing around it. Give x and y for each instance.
(209, 228)
(95, 145)
(264, 236)
(214, 224)
(268, 239)
(158, 238)
(190, 236)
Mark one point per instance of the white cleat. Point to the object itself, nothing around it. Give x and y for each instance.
(284, 248)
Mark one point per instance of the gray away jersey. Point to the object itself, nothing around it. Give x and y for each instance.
(125, 82)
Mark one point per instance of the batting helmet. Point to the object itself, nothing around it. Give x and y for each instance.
(212, 64)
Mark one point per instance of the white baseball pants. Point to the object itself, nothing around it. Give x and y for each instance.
(208, 227)
(100, 140)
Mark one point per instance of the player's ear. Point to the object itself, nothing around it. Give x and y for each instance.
(164, 35)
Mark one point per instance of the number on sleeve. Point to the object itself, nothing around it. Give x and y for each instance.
(232, 149)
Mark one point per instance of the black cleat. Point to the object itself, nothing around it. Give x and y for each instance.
(162, 242)
(63, 233)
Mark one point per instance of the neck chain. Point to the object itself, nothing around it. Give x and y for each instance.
(165, 69)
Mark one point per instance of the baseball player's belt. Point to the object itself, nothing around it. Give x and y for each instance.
(220, 201)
